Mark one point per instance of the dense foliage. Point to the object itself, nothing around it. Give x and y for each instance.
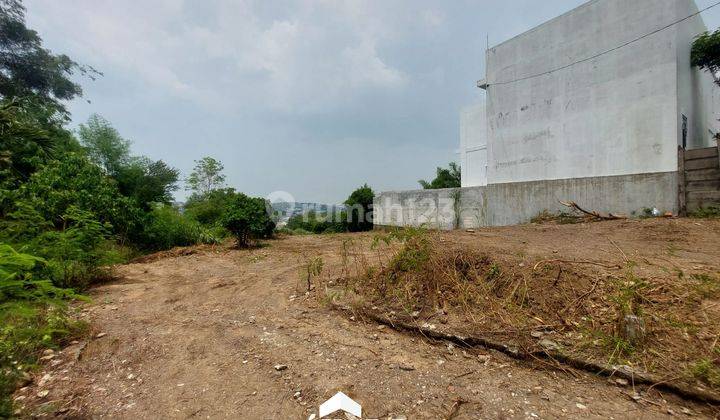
(72, 204)
(248, 219)
(317, 222)
(209, 207)
(705, 53)
(68, 207)
(444, 178)
(27, 69)
(359, 209)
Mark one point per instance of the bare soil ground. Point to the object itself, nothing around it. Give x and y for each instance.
(197, 334)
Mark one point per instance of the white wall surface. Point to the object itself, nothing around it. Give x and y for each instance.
(473, 146)
(697, 93)
(613, 115)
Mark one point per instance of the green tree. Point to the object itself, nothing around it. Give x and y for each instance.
(104, 145)
(208, 208)
(147, 181)
(29, 69)
(248, 219)
(705, 53)
(444, 178)
(206, 176)
(73, 181)
(359, 209)
(24, 146)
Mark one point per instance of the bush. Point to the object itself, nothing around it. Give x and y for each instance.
(74, 181)
(248, 219)
(33, 316)
(359, 209)
(208, 208)
(73, 253)
(709, 212)
(314, 222)
(166, 227)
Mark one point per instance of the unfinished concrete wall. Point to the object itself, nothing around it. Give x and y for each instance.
(612, 115)
(429, 208)
(473, 146)
(515, 203)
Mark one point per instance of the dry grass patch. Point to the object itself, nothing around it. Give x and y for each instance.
(667, 325)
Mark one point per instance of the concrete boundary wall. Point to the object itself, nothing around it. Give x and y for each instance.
(518, 202)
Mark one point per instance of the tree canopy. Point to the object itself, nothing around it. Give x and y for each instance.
(29, 69)
(359, 209)
(444, 178)
(705, 53)
(248, 219)
(206, 176)
(104, 145)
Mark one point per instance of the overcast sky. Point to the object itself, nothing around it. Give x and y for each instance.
(310, 97)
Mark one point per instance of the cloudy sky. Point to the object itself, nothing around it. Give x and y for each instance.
(310, 97)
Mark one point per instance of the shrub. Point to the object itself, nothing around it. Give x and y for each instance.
(74, 181)
(359, 209)
(33, 316)
(72, 253)
(444, 178)
(709, 212)
(248, 219)
(166, 227)
(317, 222)
(208, 208)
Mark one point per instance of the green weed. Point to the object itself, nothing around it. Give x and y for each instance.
(706, 371)
(710, 212)
(706, 286)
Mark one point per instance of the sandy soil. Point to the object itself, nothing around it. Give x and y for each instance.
(199, 336)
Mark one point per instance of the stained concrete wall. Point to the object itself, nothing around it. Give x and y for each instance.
(515, 203)
(473, 146)
(613, 115)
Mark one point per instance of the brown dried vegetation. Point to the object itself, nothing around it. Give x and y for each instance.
(580, 307)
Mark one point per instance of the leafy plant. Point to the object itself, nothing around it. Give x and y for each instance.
(33, 316)
(359, 209)
(312, 268)
(209, 208)
(248, 219)
(705, 53)
(706, 371)
(709, 212)
(166, 227)
(444, 178)
(315, 222)
(104, 145)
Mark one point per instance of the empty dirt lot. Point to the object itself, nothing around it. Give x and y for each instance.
(203, 334)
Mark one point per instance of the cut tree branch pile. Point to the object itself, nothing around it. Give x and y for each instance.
(593, 214)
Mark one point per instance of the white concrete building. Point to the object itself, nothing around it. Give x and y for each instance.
(590, 106)
(575, 97)
(473, 146)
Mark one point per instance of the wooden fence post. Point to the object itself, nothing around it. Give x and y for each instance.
(682, 197)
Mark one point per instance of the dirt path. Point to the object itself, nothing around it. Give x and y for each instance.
(198, 336)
